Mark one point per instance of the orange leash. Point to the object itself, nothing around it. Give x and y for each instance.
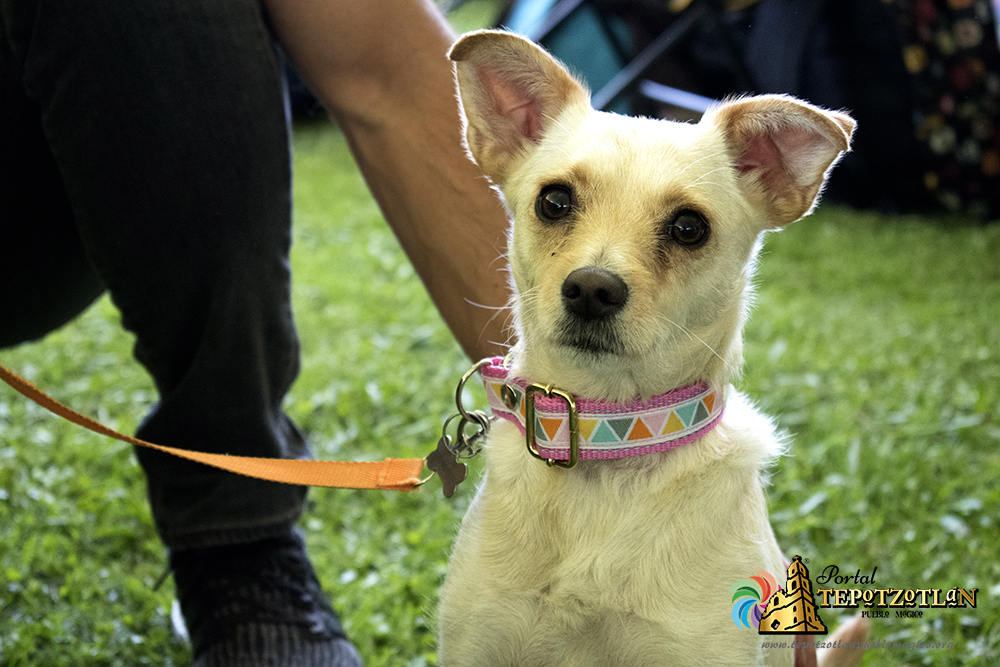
(388, 475)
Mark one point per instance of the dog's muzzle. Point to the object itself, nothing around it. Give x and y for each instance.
(592, 293)
(592, 297)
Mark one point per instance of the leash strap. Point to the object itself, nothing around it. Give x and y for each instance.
(388, 475)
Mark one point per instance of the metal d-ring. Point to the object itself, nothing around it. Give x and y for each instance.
(461, 387)
(449, 467)
(529, 423)
(465, 445)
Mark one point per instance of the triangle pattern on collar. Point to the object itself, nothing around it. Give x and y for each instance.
(606, 429)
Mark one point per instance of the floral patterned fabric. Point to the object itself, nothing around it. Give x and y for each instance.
(950, 49)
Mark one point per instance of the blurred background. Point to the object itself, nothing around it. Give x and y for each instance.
(874, 342)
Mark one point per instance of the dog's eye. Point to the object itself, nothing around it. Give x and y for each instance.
(554, 203)
(689, 229)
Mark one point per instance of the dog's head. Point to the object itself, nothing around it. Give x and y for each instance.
(634, 240)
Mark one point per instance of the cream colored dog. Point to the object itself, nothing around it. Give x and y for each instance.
(632, 253)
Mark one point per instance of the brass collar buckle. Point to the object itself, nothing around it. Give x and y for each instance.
(529, 423)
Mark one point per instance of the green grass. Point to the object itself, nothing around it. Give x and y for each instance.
(875, 342)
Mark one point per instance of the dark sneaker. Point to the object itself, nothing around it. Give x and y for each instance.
(258, 604)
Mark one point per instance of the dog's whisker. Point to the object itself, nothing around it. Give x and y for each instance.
(709, 173)
(547, 116)
(701, 179)
(561, 150)
(704, 157)
(503, 257)
(529, 294)
(694, 336)
(483, 305)
(563, 127)
(506, 327)
(702, 183)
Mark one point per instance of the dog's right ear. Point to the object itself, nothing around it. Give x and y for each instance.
(511, 91)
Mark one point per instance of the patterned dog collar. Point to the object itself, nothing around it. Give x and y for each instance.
(604, 430)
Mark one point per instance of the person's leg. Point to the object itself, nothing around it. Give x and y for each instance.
(46, 278)
(168, 123)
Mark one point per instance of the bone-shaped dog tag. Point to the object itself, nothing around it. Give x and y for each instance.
(447, 466)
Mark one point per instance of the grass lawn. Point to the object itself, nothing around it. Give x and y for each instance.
(875, 342)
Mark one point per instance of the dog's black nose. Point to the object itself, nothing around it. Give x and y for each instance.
(593, 294)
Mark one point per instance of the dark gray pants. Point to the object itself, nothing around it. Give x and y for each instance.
(144, 149)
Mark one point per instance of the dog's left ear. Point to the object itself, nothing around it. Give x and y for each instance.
(784, 150)
(511, 92)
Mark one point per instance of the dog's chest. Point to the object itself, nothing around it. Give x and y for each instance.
(598, 565)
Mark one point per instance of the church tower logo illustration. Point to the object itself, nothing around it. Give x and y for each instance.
(792, 611)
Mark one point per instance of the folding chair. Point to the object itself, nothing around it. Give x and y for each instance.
(592, 37)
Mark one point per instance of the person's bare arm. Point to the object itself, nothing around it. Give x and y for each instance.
(380, 68)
